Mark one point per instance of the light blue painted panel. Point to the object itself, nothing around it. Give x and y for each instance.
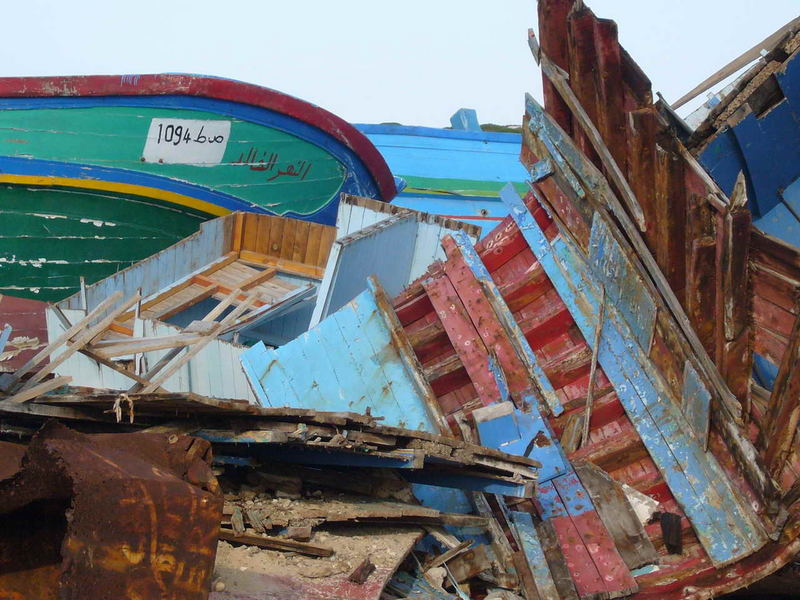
(385, 250)
(525, 434)
(726, 527)
(624, 288)
(696, 402)
(346, 363)
(529, 539)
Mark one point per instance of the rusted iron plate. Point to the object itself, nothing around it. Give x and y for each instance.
(109, 516)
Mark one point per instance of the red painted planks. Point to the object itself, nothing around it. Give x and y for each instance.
(466, 341)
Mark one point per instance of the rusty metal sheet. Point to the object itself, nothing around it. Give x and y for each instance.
(109, 516)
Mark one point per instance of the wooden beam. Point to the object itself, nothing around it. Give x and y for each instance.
(98, 359)
(737, 63)
(287, 266)
(38, 390)
(593, 370)
(274, 543)
(81, 341)
(140, 345)
(56, 343)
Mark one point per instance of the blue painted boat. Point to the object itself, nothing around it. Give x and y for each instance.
(456, 173)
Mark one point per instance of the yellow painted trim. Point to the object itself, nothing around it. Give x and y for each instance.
(121, 188)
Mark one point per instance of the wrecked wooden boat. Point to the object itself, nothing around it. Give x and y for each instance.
(598, 345)
(605, 329)
(456, 172)
(101, 171)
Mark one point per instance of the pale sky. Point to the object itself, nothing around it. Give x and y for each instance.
(414, 62)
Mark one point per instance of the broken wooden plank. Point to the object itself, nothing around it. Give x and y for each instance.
(274, 543)
(197, 347)
(621, 521)
(40, 389)
(362, 572)
(117, 347)
(81, 341)
(442, 558)
(59, 341)
(529, 540)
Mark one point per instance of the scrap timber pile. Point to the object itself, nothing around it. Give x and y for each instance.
(568, 408)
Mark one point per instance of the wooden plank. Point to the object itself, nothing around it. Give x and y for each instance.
(737, 63)
(313, 244)
(238, 232)
(274, 543)
(529, 539)
(272, 247)
(300, 241)
(281, 264)
(587, 580)
(556, 561)
(250, 233)
(98, 359)
(328, 237)
(287, 241)
(623, 287)
(40, 389)
(81, 341)
(140, 345)
(779, 426)
(619, 518)
(468, 345)
(616, 576)
(59, 341)
(701, 290)
(587, 417)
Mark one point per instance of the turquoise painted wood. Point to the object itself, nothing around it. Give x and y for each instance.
(529, 539)
(624, 288)
(696, 402)
(508, 322)
(384, 249)
(726, 526)
(349, 362)
(523, 434)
